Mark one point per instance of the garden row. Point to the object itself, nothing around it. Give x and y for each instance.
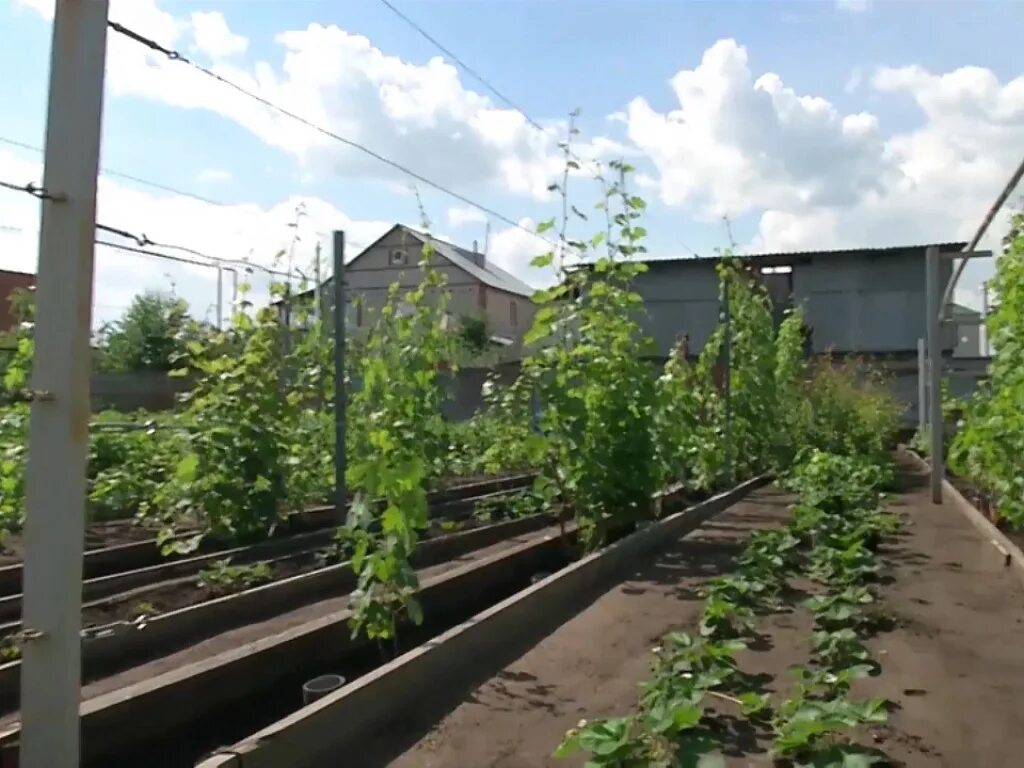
(985, 453)
(698, 693)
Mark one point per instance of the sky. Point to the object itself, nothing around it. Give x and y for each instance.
(807, 125)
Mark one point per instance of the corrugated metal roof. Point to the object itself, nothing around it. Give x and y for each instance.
(490, 274)
(892, 249)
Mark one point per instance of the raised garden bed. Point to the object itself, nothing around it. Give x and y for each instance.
(949, 616)
(379, 702)
(173, 710)
(136, 546)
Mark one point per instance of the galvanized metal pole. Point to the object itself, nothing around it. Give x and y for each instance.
(922, 387)
(59, 427)
(986, 349)
(727, 322)
(220, 298)
(340, 491)
(934, 370)
(318, 295)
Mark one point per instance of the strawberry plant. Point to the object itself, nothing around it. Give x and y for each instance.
(224, 578)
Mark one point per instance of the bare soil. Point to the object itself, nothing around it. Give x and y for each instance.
(234, 639)
(110, 533)
(186, 591)
(952, 664)
(591, 665)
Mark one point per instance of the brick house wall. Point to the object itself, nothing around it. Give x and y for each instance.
(9, 281)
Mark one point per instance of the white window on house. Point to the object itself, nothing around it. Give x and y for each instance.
(397, 258)
(513, 313)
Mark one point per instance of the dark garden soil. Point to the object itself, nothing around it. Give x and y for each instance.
(110, 533)
(232, 641)
(185, 591)
(952, 661)
(591, 665)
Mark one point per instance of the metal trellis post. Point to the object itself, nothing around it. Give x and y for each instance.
(922, 387)
(220, 298)
(340, 491)
(934, 326)
(727, 382)
(58, 436)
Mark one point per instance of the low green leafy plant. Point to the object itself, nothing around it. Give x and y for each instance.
(223, 577)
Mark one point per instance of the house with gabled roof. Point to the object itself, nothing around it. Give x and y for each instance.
(481, 291)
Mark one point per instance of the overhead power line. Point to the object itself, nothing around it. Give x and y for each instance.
(478, 77)
(177, 56)
(468, 69)
(141, 241)
(120, 174)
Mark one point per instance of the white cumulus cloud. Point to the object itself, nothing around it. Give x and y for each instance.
(243, 232)
(461, 215)
(418, 115)
(213, 37)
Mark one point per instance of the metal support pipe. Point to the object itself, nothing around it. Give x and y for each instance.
(59, 427)
(727, 382)
(986, 349)
(922, 387)
(340, 400)
(934, 326)
(220, 297)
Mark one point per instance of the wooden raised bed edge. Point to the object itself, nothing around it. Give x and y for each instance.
(1009, 552)
(460, 658)
(140, 554)
(169, 631)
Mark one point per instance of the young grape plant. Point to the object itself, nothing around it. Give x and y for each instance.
(987, 448)
(398, 405)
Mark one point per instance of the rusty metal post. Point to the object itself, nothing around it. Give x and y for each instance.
(58, 436)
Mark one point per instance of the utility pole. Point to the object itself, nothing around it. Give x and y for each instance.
(340, 400)
(59, 426)
(934, 326)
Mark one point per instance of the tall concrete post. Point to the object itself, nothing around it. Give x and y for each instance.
(59, 427)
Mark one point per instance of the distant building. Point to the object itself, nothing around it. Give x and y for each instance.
(968, 324)
(481, 292)
(865, 301)
(9, 282)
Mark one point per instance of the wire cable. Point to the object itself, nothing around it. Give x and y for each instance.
(120, 174)
(176, 56)
(31, 189)
(478, 77)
